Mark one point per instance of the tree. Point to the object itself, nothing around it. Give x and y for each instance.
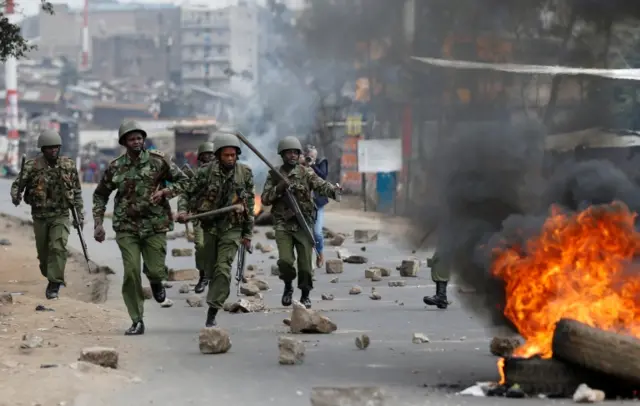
(12, 43)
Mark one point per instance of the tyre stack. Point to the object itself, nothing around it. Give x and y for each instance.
(581, 355)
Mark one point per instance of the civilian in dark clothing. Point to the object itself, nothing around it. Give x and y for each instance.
(322, 170)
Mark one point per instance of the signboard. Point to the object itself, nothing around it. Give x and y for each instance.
(376, 156)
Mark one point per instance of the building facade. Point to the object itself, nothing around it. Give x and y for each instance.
(218, 44)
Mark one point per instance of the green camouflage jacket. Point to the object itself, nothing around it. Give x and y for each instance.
(303, 181)
(50, 191)
(134, 183)
(213, 188)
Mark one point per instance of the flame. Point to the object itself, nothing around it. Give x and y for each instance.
(257, 208)
(503, 379)
(576, 268)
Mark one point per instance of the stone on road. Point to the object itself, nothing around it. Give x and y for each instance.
(291, 351)
(103, 356)
(214, 341)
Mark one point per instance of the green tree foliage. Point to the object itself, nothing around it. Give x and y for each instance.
(12, 43)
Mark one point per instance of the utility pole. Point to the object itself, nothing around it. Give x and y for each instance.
(11, 84)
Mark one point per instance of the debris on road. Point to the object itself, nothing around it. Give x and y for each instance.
(275, 271)
(5, 242)
(356, 396)
(194, 301)
(245, 305)
(30, 342)
(249, 289)
(146, 293)
(291, 351)
(585, 394)
(395, 284)
(184, 288)
(337, 241)
(362, 342)
(102, 356)
(214, 341)
(375, 295)
(334, 280)
(260, 284)
(480, 389)
(409, 268)
(371, 272)
(182, 252)
(343, 253)
(167, 285)
(265, 249)
(504, 346)
(356, 290)
(327, 296)
(6, 299)
(419, 338)
(179, 275)
(167, 303)
(365, 236)
(356, 259)
(308, 321)
(334, 266)
(286, 322)
(271, 235)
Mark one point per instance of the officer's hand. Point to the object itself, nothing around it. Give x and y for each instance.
(182, 217)
(158, 195)
(282, 185)
(16, 200)
(247, 243)
(79, 224)
(99, 234)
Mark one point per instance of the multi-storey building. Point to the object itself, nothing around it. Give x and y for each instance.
(218, 44)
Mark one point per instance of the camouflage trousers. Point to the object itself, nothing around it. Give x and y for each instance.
(440, 273)
(198, 240)
(221, 249)
(287, 242)
(153, 250)
(52, 235)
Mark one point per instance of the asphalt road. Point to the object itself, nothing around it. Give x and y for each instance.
(175, 373)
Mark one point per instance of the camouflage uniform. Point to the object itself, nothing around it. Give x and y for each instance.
(50, 189)
(289, 234)
(440, 275)
(198, 233)
(141, 226)
(214, 187)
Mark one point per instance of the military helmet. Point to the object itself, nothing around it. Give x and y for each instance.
(226, 140)
(49, 138)
(205, 147)
(289, 142)
(128, 127)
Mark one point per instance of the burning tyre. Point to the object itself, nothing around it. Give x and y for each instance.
(543, 376)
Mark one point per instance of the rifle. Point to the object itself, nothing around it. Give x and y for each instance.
(235, 207)
(242, 252)
(291, 201)
(20, 175)
(83, 243)
(186, 168)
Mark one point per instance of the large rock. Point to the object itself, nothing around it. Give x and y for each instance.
(271, 235)
(356, 259)
(194, 301)
(334, 266)
(364, 396)
(409, 268)
(103, 356)
(246, 305)
(262, 285)
(182, 252)
(249, 289)
(214, 341)
(372, 272)
(307, 321)
(183, 274)
(343, 253)
(291, 351)
(365, 236)
(6, 299)
(337, 241)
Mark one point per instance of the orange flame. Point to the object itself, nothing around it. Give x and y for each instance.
(503, 379)
(576, 268)
(257, 207)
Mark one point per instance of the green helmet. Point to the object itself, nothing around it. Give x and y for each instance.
(129, 127)
(49, 138)
(289, 142)
(226, 140)
(205, 147)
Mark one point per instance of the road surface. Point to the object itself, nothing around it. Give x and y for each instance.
(175, 373)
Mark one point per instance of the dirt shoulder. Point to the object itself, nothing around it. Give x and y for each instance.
(49, 374)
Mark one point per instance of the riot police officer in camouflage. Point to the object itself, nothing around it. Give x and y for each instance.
(51, 187)
(290, 234)
(141, 216)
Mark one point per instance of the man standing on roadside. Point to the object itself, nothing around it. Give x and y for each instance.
(141, 216)
(205, 155)
(222, 182)
(290, 234)
(51, 186)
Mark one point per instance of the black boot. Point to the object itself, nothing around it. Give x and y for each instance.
(158, 291)
(202, 283)
(287, 295)
(52, 290)
(304, 298)
(211, 317)
(440, 298)
(136, 329)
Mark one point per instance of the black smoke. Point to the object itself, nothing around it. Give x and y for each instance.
(492, 190)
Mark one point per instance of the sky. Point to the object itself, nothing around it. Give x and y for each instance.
(29, 7)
